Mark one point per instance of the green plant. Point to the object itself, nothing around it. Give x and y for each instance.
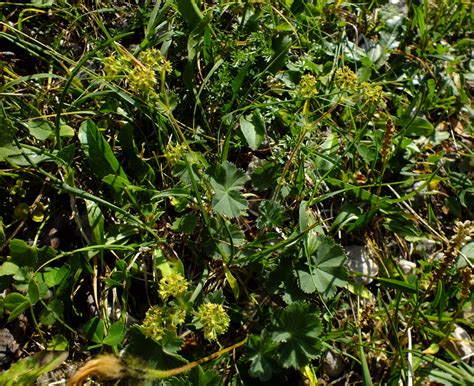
(180, 175)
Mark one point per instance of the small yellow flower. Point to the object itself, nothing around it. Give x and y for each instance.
(112, 66)
(174, 153)
(152, 326)
(214, 319)
(151, 58)
(173, 285)
(345, 79)
(166, 66)
(307, 86)
(142, 79)
(371, 93)
(159, 320)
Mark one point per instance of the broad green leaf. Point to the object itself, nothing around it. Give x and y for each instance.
(136, 166)
(167, 266)
(21, 156)
(8, 269)
(66, 131)
(7, 134)
(196, 36)
(96, 221)
(57, 343)
(261, 355)
(152, 353)
(272, 214)
(227, 181)
(324, 269)
(297, 330)
(54, 276)
(419, 127)
(265, 177)
(185, 224)
(190, 11)
(52, 313)
(116, 182)
(33, 292)
(94, 329)
(17, 304)
(98, 152)
(67, 153)
(115, 334)
(41, 130)
(27, 370)
(23, 254)
(253, 129)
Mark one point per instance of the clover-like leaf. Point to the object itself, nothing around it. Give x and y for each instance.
(227, 181)
(324, 270)
(297, 329)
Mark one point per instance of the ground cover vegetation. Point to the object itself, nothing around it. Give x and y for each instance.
(236, 192)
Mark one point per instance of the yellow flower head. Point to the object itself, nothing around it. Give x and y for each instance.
(142, 79)
(173, 285)
(345, 79)
(307, 86)
(214, 319)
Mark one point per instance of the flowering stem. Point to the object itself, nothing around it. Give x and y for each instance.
(304, 130)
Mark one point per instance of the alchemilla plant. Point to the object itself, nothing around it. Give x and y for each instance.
(215, 192)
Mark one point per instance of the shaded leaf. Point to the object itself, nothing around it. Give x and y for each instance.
(98, 152)
(253, 129)
(297, 330)
(17, 303)
(272, 214)
(115, 334)
(262, 350)
(41, 130)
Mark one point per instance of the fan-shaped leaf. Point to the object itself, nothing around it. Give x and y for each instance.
(227, 181)
(324, 270)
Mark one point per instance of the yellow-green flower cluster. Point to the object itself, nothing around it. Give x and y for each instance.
(214, 319)
(139, 74)
(371, 93)
(173, 285)
(345, 79)
(154, 59)
(159, 320)
(151, 57)
(307, 86)
(152, 326)
(174, 153)
(113, 66)
(142, 79)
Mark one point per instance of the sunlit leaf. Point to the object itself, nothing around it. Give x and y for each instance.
(227, 181)
(27, 370)
(325, 269)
